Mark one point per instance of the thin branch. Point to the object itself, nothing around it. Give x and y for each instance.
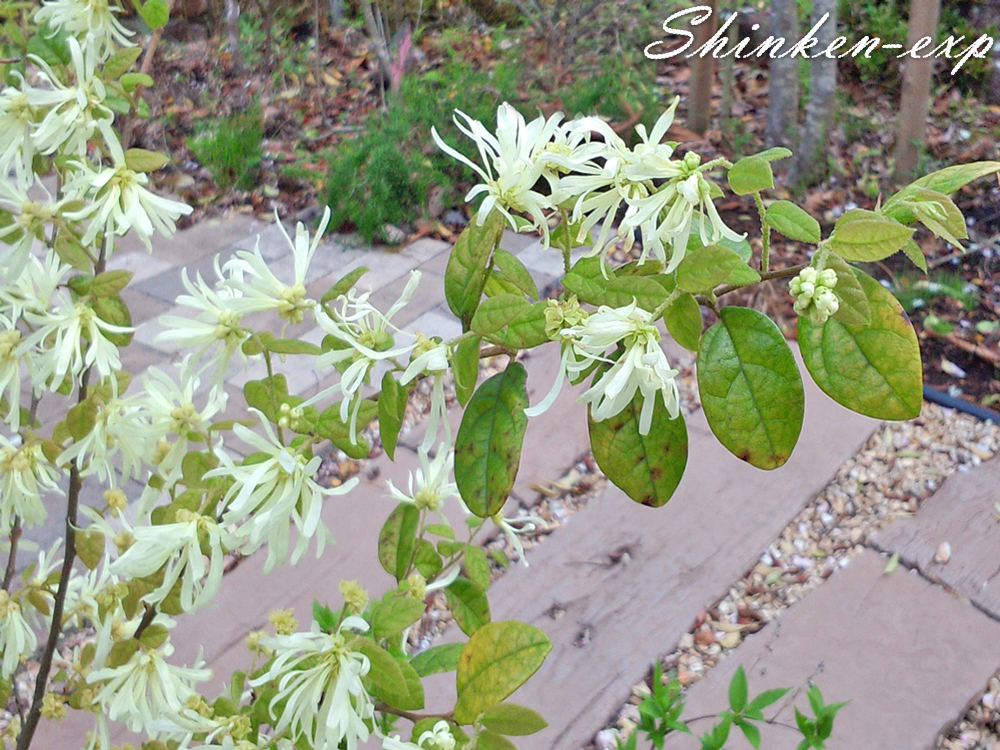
(147, 65)
(15, 537)
(784, 273)
(30, 723)
(410, 715)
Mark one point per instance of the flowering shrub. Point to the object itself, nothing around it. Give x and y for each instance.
(348, 676)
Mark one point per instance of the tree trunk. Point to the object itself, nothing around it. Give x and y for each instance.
(702, 75)
(233, 30)
(911, 126)
(811, 164)
(783, 99)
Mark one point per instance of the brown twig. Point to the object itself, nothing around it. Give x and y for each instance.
(410, 715)
(147, 65)
(15, 537)
(30, 723)
(784, 273)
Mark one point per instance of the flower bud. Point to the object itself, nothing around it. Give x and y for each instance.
(284, 621)
(355, 597)
(813, 294)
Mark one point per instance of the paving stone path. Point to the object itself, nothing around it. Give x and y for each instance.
(910, 650)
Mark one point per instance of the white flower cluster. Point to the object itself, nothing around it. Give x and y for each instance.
(639, 367)
(591, 174)
(814, 295)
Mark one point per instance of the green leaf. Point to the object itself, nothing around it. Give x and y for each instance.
(497, 312)
(465, 368)
(912, 251)
(750, 387)
(324, 617)
(344, 284)
(874, 370)
(741, 246)
(397, 540)
(951, 179)
(587, 282)
(50, 45)
(854, 308)
(81, 419)
(940, 215)
(267, 395)
(130, 82)
(683, 321)
(468, 266)
(765, 699)
(793, 222)
(706, 269)
(410, 699)
(488, 740)
(527, 330)
(738, 690)
(496, 661)
(861, 235)
(774, 154)
(121, 61)
(647, 468)
(330, 426)
(385, 674)
(468, 604)
(443, 658)
(113, 310)
(71, 252)
(427, 561)
(477, 567)
(155, 13)
(293, 346)
(90, 547)
(743, 275)
(110, 283)
(391, 409)
(488, 445)
(751, 174)
(513, 720)
(751, 733)
(394, 613)
(568, 235)
(141, 160)
(515, 271)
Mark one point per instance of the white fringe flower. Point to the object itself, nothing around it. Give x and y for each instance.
(513, 161)
(642, 367)
(319, 684)
(87, 17)
(270, 494)
(17, 639)
(25, 476)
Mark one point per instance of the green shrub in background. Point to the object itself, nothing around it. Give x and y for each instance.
(231, 150)
(382, 177)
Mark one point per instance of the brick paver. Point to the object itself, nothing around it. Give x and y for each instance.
(609, 615)
(962, 514)
(906, 653)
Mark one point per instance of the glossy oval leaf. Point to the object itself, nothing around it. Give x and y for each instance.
(647, 468)
(488, 445)
(513, 720)
(706, 268)
(468, 266)
(443, 658)
(793, 222)
(496, 661)
(398, 539)
(866, 236)
(874, 370)
(854, 308)
(391, 409)
(468, 604)
(683, 321)
(751, 174)
(750, 387)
